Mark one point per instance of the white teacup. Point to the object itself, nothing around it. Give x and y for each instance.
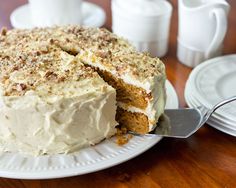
(145, 23)
(55, 12)
(201, 31)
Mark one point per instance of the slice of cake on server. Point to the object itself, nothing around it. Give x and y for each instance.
(138, 78)
(140, 84)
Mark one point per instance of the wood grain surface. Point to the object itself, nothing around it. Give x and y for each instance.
(206, 159)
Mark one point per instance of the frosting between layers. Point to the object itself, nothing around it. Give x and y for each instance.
(155, 106)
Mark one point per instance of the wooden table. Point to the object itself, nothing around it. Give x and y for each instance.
(206, 159)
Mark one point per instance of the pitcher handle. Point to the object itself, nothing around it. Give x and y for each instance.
(221, 28)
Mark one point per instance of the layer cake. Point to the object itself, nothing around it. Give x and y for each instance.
(104, 60)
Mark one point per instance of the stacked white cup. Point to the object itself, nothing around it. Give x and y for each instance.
(145, 23)
(55, 12)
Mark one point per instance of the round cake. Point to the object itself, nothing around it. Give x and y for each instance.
(65, 88)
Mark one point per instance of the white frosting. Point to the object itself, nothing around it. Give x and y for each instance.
(81, 114)
(148, 85)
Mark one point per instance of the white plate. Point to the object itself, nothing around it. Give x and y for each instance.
(221, 126)
(192, 91)
(213, 81)
(93, 16)
(101, 156)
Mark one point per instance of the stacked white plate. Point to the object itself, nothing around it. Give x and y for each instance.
(211, 82)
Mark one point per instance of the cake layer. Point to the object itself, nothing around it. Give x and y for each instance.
(126, 93)
(134, 121)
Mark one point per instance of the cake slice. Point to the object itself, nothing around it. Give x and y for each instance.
(140, 84)
(50, 102)
(138, 79)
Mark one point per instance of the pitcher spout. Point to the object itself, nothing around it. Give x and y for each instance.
(195, 5)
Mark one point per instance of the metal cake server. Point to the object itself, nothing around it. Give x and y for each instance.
(182, 123)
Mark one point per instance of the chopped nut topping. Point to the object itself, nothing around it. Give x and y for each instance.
(3, 31)
(37, 54)
(48, 73)
(21, 87)
(51, 41)
(61, 79)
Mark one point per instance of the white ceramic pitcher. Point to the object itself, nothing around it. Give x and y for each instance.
(202, 28)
